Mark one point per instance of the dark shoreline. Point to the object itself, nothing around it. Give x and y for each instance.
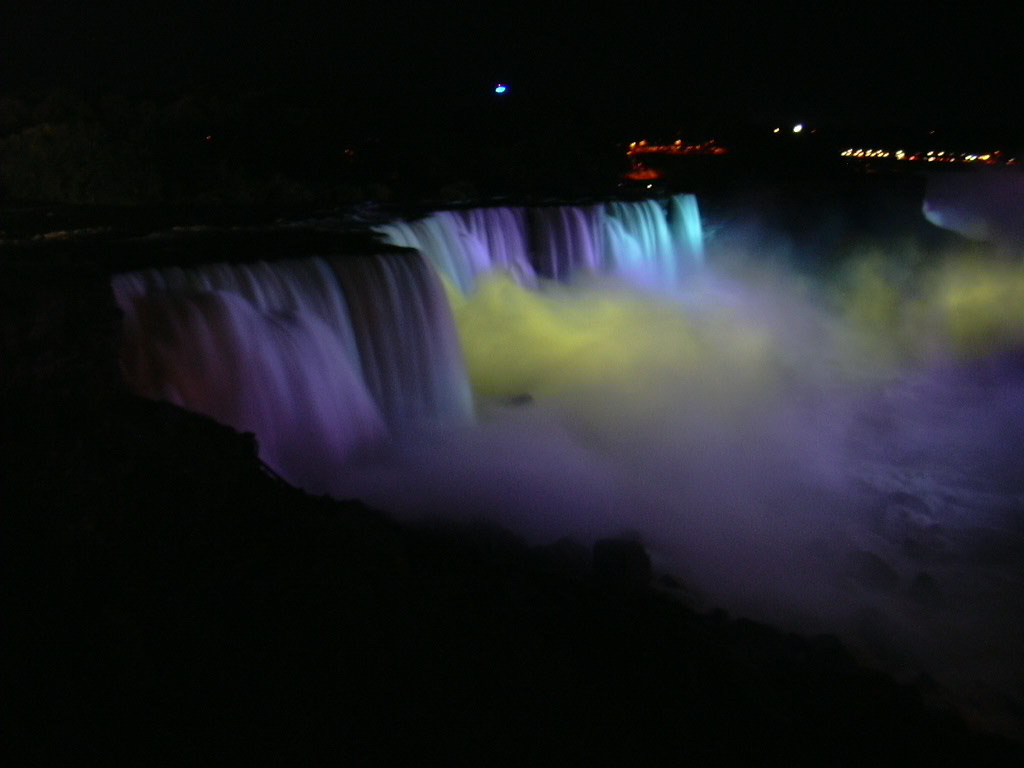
(171, 601)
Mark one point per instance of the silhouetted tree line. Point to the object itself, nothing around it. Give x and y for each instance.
(205, 148)
(281, 148)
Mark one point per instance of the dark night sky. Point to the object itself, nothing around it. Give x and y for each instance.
(683, 61)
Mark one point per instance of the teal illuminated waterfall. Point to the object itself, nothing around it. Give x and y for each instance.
(655, 241)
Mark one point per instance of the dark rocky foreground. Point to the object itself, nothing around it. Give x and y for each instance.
(167, 600)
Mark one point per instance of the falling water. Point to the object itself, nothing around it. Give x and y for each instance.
(319, 358)
(839, 457)
(651, 240)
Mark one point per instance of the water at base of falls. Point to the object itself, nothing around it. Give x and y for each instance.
(829, 459)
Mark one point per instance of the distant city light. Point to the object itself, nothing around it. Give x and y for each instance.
(500, 88)
(642, 147)
(798, 127)
(931, 156)
(776, 130)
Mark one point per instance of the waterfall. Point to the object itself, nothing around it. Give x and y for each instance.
(320, 358)
(463, 245)
(325, 358)
(820, 468)
(654, 240)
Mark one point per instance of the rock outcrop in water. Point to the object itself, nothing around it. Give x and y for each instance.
(985, 205)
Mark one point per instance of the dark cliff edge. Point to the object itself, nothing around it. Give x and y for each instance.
(167, 600)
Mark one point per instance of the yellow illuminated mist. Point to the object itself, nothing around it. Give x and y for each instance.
(613, 349)
(960, 307)
(981, 306)
(727, 355)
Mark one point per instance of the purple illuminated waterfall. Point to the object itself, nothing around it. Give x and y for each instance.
(319, 358)
(325, 358)
(652, 240)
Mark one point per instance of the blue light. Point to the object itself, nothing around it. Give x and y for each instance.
(500, 88)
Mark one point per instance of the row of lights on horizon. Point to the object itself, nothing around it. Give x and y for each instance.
(709, 146)
(991, 158)
(677, 147)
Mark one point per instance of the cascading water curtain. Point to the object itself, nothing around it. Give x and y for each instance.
(320, 358)
(657, 241)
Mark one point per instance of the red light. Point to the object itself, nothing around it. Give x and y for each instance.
(643, 174)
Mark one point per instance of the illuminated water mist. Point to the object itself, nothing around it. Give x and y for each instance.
(840, 455)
